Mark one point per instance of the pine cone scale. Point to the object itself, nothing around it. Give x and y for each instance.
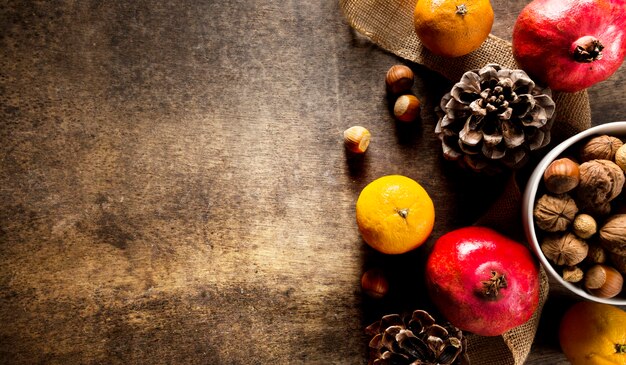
(470, 136)
(413, 346)
(492, 140)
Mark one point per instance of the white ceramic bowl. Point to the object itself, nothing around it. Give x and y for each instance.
(617, 129)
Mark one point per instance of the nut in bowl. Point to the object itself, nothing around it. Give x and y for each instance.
(574, 213)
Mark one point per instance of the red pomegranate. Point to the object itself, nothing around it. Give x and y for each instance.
(570, 44)
(482, 281)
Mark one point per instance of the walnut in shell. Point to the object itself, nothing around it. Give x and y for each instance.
(555, 213)
(566, 249)
(613, 234)
(620, 157)
(596, 254)
(573, 274)
(600, 148)
(600, 182)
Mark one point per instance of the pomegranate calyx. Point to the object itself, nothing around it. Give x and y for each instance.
(493, 285)
(587, 49)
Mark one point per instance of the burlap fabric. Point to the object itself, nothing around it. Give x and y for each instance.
(389, 24)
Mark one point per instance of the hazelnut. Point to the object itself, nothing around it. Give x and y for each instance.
(603, 281)
(620, 157)
(595, 277)
(555, 213)
(566, 249)
(374, 283)
(561, 176)
(584, 226)
(399, 79)
(600, 148)
(573, 274)
(613, 234)
(406, 108)
(356, 139)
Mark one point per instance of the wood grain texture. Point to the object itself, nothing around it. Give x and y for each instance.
(174, 188)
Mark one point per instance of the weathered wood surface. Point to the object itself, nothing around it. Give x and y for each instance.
(174, 189)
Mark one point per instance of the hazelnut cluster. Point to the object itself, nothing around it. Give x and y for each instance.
(399, 81)
(406, 107)
(582, 215)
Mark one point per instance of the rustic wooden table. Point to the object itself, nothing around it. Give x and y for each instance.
(174, 188)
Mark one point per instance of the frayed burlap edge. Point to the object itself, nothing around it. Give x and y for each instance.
(389, 24)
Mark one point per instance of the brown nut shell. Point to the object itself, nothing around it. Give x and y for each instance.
(399, 79)
(600, 182)
(573, 274)
(600, 148)
(596, 254)
(561, 176)
(374, 283)
(357, 139)
(617, 177)
(613, 234)
(611, 280)
(555, 213)
(620, 157)
(406, 108)
(595, 277)
(584, 226)
(565, 249)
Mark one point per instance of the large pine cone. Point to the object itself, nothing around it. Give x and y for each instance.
(493, 118)
(418, 340)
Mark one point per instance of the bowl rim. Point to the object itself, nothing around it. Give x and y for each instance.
(530, 193)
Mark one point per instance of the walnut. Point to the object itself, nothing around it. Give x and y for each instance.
(600, 148)
(555, 213)
(613, 234)
(601, 210)
(600, 182)
(617, 176)
(573, 274)
(620, 157)
(566, 249)
(596, 254)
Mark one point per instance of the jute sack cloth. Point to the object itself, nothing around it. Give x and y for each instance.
(389, 24)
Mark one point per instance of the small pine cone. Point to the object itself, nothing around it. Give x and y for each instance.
(416, 340)
(493, 118)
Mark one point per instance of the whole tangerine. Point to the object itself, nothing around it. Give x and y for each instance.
(394, 214)
(453, 28)
(593, 334)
